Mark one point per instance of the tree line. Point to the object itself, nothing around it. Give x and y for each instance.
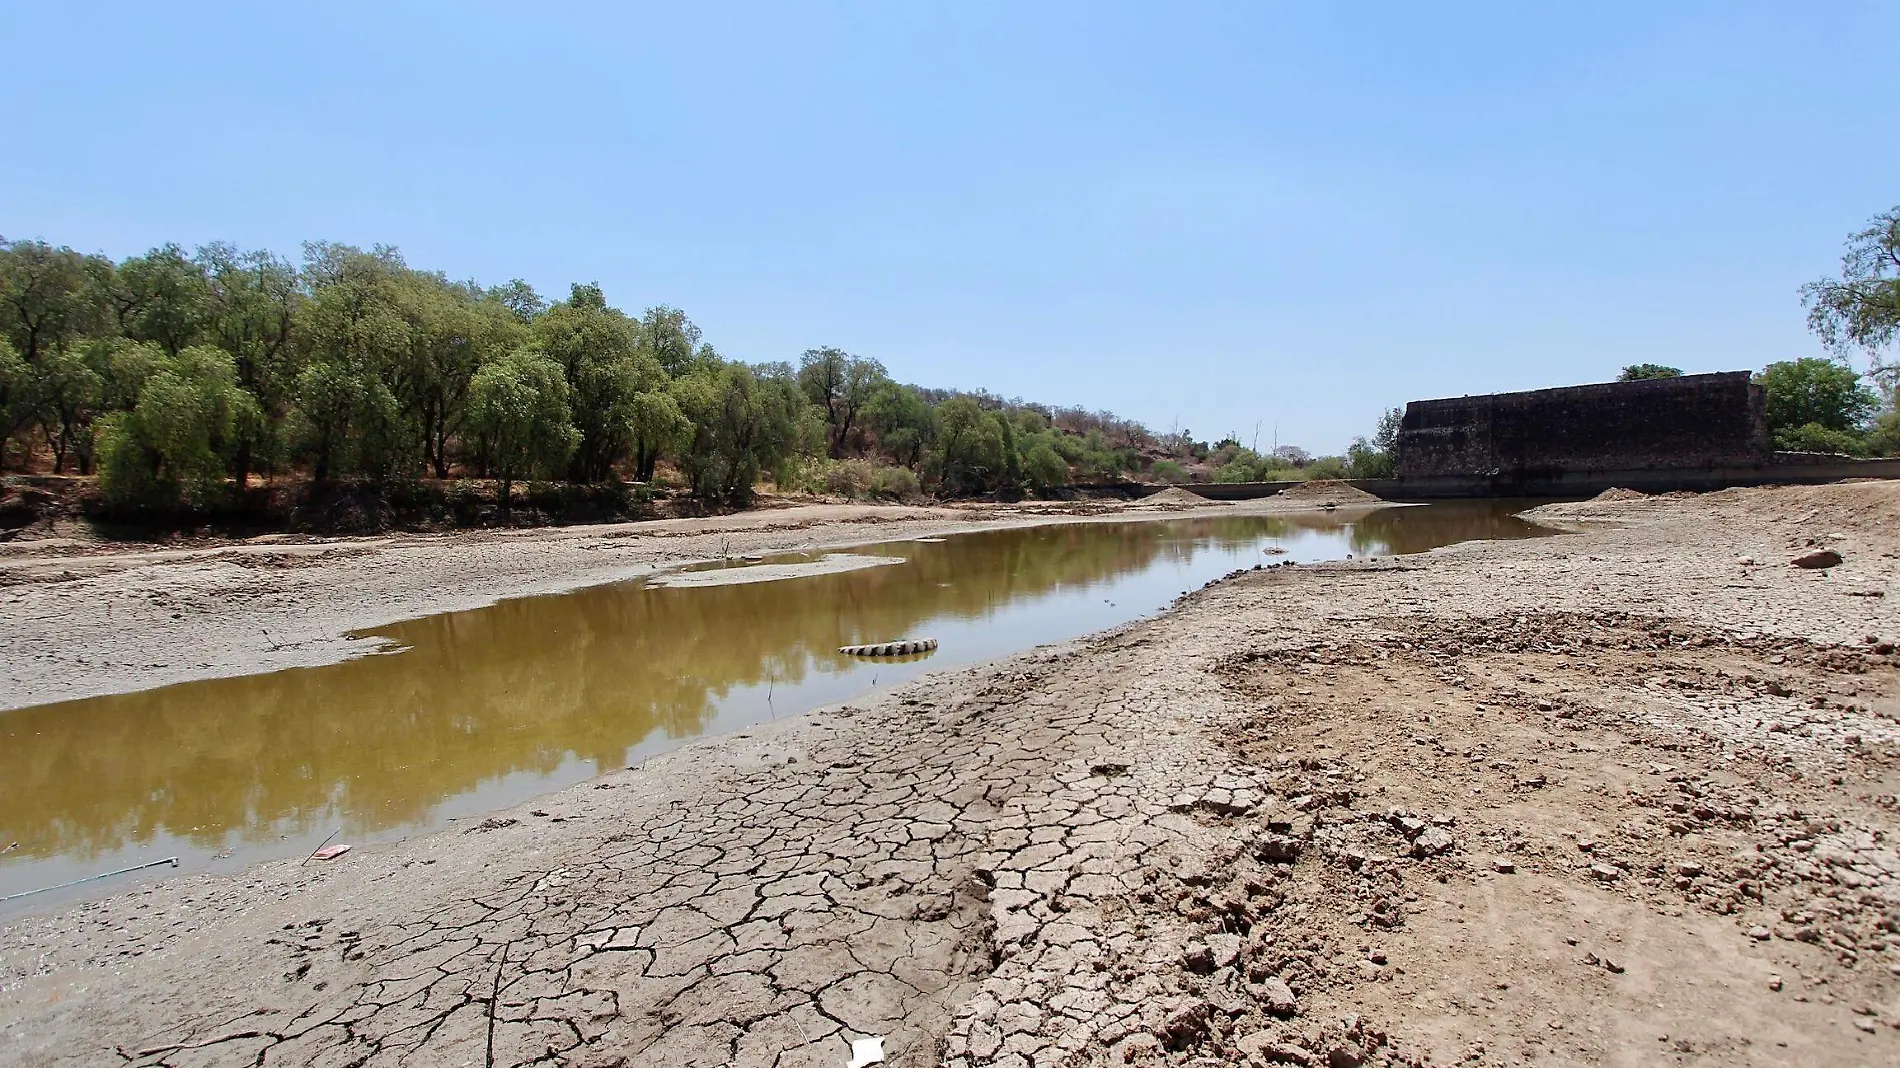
(178, 376)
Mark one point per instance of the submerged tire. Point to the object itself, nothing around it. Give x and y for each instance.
(898, 648)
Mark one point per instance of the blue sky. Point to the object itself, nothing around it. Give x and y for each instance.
(1204, 215)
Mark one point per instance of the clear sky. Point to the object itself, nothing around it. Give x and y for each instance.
(1210, 215)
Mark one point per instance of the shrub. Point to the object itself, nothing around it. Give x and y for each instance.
(1168, 471)
(1813, 437)
(895, 483)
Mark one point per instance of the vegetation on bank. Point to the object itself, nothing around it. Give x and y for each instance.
(178, 376)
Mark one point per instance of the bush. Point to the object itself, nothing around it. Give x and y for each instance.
(1168, 471)
(1044, 468)
(895, 483)
(1813, 437)
(848, 478)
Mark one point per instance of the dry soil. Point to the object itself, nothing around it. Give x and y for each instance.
(1621, 797)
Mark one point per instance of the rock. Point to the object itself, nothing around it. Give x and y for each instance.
(1277, 847)
(1502, 866)
(1277, 997)
(1434, 841)
(1185, 1026)
(1608, 873)
(1262, 1047)
(1774, 983)
(1225, 949)
(1820, 558)
(1760, 933)
(1198, 958)
(1689, 870)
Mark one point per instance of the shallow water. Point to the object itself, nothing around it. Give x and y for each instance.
(481, 709)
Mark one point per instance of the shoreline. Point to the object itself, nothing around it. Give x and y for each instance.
(89, 626)
(1553, 798)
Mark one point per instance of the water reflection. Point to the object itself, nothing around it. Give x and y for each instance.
(486, 707)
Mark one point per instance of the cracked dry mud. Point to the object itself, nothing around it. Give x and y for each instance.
(1613, 798)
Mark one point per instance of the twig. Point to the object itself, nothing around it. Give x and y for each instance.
(320, 846)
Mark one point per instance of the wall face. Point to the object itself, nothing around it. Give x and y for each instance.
(1696, 421)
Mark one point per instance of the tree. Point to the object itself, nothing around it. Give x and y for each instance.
(1044, 469)
(903, 421)
(518, 403)
(251, 302)
(743, 423)
(1377, 457)
(600, 351)
(15, 410)
(1644, 372)
(161, 297)
(841, 384)
(174, 444)
(1813, 390)
(358, 336)
(1861, 308)
(657, 425)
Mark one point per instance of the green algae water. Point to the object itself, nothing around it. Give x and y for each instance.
(472, 711)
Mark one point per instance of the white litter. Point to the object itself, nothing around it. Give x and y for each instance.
(866, 1051)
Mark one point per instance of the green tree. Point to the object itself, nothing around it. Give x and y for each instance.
(1044, 468)
(1861, 308)
(358, 337)
(743, 424)
(658, 426)
(518, 403)
(162, 297)
(16, 410)
(1813, 390)
(602, 355)
(251, 302)
(1378, 456)
(903, 421)
(842, 385)
(1644, 372)
(174, 444)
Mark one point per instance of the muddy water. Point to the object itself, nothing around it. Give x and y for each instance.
(477, 710)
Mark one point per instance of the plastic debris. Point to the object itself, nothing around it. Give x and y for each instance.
(898, 648)
(866, 1051)
(330, 852)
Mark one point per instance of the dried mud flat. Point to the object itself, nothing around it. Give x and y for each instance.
(1614, 798)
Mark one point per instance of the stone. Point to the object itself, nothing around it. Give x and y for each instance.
(1277, 997)
(1224, 948)
(1185, 1026)
(1760, 933)
(1608, 873)
(1774, 983)
(1278, 848)
(1502, 866)
(1344, 1056)
(1198, 958)
(1434, 841)
(1820, 558)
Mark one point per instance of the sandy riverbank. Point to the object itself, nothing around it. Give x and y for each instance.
(83, 619)
(1625, 796)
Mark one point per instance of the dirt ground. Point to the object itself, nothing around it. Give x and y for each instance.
(1621, 797)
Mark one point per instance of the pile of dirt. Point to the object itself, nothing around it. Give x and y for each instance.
(1618, 493)
(1325, 491)
(1176, 497)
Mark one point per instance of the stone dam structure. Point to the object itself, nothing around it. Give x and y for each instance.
(1662, 431)
(1692, 432)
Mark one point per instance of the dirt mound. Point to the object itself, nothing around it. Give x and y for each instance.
(1618, 493)
(1176, 497)
(1327, 491)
